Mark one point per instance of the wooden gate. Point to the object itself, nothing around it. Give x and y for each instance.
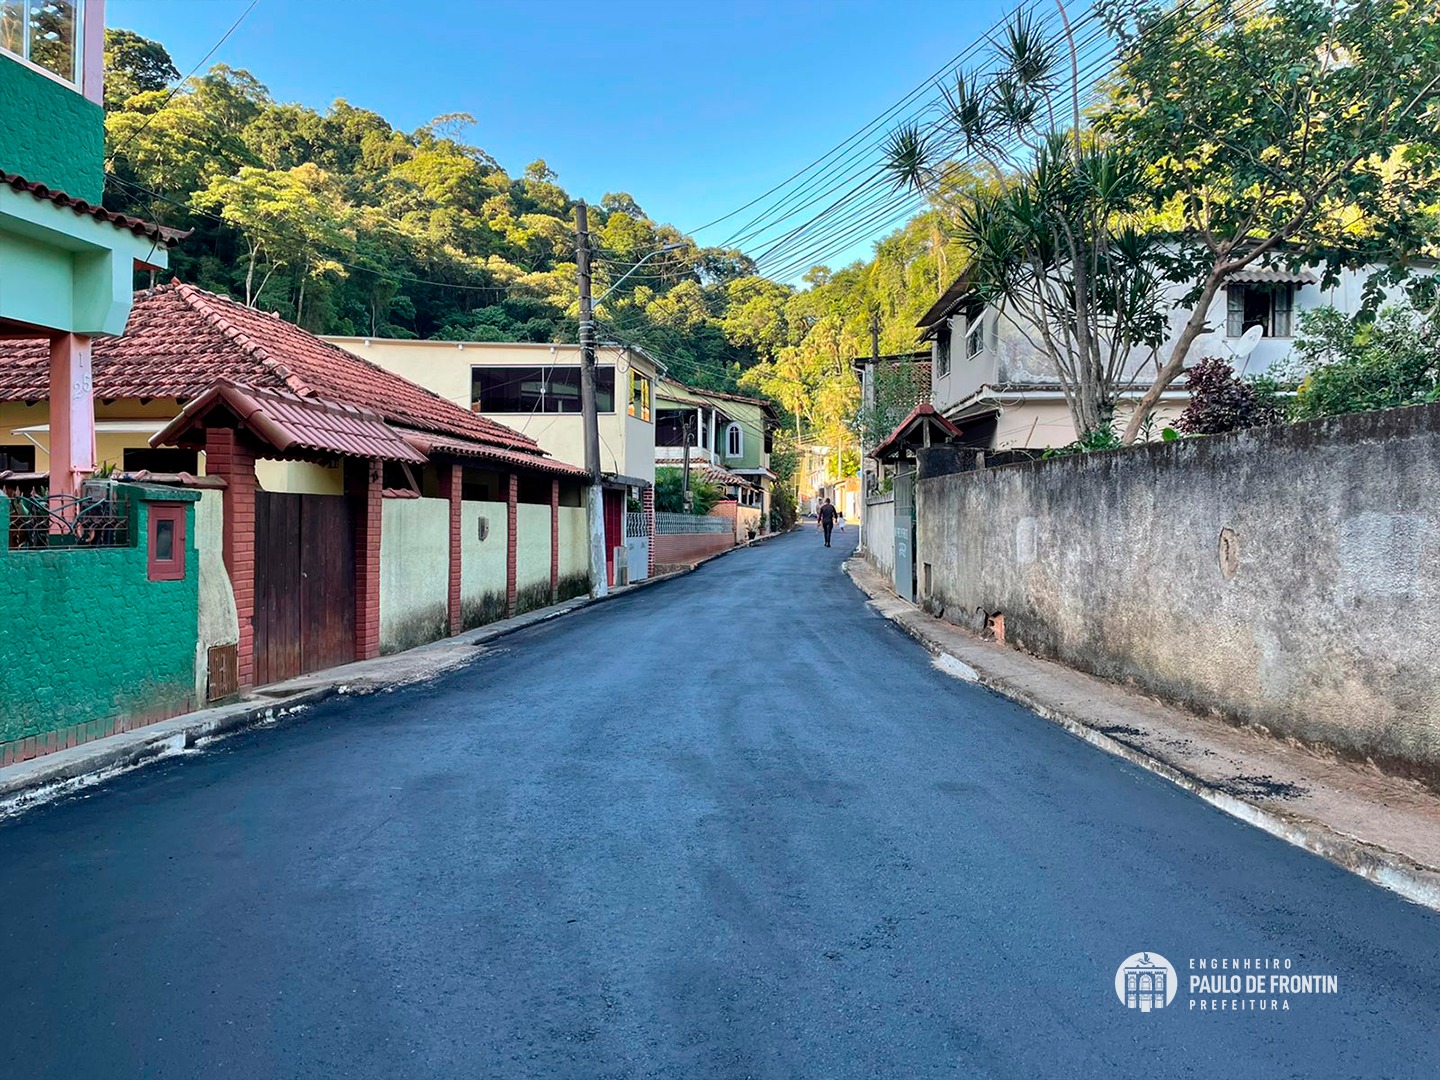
(304, 584)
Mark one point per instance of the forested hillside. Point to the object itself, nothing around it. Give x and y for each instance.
(347, 225)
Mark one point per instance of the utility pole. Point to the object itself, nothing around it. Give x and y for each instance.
(594, 496)
(685, 467)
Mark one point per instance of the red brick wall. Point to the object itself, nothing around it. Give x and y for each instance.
(367, 561)
(450, 487)
(689, 548)
(227, 456)
(510, 544)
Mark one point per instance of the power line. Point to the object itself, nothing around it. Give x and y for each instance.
(176, 88)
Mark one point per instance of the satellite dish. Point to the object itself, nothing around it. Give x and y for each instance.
(1247, 342)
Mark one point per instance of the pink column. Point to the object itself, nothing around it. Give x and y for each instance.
(72, 414)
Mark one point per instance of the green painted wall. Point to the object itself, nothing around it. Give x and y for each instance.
(86, 638)
(51, 133)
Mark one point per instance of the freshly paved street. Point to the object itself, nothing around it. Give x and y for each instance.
(734, 825)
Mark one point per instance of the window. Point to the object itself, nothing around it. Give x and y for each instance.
(769, 440)
(161, 461)
(17, 458)
(47, 33)
(734, 441)
(975, 338)
(538, 389)
(1270, 307)
(942, 350)
(639, 395)
(166, 560)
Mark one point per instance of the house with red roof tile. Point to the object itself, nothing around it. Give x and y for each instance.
(535, 388)
(346, 511)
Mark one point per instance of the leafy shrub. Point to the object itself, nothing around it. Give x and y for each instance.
(1222, 401)
(1350, 365)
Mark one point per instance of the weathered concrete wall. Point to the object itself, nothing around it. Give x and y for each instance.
(879, 533)
(482, 563)
(574, 552)
(219, 620)
(414, 572)
(88, 644)
(1288, 577)
(532, 556)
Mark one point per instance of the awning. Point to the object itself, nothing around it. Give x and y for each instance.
(1262, 276)
(102, 427)
(289, 424)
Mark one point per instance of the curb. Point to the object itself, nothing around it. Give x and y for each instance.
(1416, 883)
(63, 772)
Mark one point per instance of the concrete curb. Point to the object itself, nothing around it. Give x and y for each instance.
(51, 776)
(1390, 870)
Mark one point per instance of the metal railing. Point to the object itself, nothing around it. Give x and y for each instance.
(94, 520)
(635, 527)
(678, 524)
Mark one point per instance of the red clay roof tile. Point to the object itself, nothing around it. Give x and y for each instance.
(159, 233)
(181, 340)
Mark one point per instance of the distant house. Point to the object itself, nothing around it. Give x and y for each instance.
(347, 511)
(987, 375)
(730, 437)
(535, 389)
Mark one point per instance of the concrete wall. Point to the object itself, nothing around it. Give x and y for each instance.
(879, 533)
(687, 549)
(219, 622)
(1288, 577)
(414, 572)
(574, 552)
(482, 563)
(88, 644)
(532, 556)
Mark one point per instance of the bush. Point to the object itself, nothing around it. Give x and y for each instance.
(1350, 365)
(669, 492)
(1222, 401)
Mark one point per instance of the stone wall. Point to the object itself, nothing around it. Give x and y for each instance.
(88, 644)
(1286, 577)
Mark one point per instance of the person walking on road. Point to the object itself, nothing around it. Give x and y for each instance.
(826, 520)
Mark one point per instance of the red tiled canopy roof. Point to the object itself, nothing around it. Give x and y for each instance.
(159, 233)
(290, 423)
(922, 416)
(180, 341)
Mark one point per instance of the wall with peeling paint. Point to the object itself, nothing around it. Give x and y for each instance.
(1288, 578)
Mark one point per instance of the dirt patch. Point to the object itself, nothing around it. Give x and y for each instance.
(1261, 787)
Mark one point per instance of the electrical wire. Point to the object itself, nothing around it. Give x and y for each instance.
(176, 88)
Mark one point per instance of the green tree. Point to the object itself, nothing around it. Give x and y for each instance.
(134, 65)
(1292, 131)
(670, 496)
(1053, 247)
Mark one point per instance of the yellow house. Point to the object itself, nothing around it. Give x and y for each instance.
(535, 389)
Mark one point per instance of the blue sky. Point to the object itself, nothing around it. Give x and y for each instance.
(692, 106)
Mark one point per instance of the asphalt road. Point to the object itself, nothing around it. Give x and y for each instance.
(732, 826)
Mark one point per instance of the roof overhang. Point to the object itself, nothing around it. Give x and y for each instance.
(428, 445)
(1263, 276)
(289, 425)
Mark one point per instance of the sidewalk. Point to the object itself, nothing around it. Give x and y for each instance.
(49, 776)
(1381, 827)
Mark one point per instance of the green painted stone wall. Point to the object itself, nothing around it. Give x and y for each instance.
(87, 639)
(51, 133)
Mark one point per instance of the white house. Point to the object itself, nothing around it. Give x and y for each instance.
(985, 372)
